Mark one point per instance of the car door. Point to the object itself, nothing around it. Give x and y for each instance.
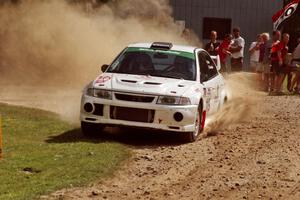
(209, 77)
(222, 92)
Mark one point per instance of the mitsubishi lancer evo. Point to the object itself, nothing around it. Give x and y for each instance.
(157, 86)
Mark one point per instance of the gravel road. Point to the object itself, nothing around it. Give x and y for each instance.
(254, 158)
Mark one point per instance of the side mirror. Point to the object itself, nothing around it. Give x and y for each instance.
(104, 67)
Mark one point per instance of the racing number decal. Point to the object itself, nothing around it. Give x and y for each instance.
(207, 94)
(212, 93)
(103, 79)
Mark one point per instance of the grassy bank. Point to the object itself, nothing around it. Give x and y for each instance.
(43, 154)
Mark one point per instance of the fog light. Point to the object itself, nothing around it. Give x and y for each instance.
(88, 107)
(178, 117)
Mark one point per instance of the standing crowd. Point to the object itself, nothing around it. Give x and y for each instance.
(269, 59)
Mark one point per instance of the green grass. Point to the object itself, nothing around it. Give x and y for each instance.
(55, 154)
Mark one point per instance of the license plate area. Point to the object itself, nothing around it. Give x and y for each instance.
(132, 114)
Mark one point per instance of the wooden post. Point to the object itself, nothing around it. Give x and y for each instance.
(1, 144)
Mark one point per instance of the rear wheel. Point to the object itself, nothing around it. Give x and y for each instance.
(91, 129)
(199, 126)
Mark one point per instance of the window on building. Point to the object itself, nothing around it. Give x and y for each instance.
(221, 25)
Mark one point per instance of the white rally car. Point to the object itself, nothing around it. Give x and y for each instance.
(155, 85)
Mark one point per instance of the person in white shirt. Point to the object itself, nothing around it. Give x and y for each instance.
(237, 51)
(254, 51)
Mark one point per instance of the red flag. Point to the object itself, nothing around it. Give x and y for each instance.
(285, 13)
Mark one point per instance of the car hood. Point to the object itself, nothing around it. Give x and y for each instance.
(142, 84)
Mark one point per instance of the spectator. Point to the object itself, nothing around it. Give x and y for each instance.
(223, 51)
(278, 56)
(212, 46)
(237, 51)
(274, 57)
(295, 86)
(276, 35)
(254, 51)
(264, 60)
(286, 60)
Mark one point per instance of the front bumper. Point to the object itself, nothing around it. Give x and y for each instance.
(163, 115)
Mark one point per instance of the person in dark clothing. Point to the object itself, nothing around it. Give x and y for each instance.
(212, 46)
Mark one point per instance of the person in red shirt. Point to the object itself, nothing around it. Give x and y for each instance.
(278, 56)
(223, 51)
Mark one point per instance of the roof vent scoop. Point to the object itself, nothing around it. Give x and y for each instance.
(161, 45)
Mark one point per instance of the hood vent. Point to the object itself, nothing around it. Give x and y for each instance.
(129, 81)
(152, 83)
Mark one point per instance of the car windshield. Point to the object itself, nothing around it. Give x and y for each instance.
(153, 62)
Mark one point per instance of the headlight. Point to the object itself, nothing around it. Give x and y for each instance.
(170, 100)
(103, 94)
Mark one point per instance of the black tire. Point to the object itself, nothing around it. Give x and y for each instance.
(192, 136)
(91, 129)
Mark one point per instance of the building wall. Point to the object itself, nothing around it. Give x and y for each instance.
(252, 16)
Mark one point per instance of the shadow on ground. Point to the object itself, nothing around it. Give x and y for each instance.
(133, 137)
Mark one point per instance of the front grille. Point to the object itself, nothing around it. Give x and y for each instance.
(132, 114)
(134, 98)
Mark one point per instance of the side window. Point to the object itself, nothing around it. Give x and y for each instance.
(208, 68)
(212, 66)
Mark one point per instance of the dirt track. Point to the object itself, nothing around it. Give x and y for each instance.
(255, 159)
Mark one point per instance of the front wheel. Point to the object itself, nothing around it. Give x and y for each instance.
(199, 126)
(91, 129)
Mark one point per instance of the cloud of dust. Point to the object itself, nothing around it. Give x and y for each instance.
(241, 103)
(62, 45)
(53, 42)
